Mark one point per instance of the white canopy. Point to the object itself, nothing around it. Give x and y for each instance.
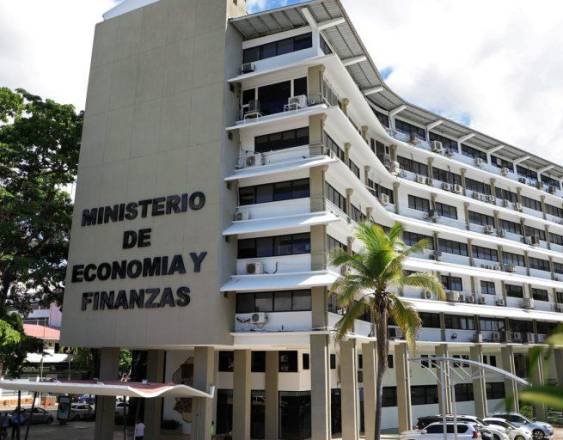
(276, 223)
(107, 388)
(47, 358)
(285, 281)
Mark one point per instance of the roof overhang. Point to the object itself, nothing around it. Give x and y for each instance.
(107, 388)
(285, 281)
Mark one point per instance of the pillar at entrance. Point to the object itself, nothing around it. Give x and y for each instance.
(479, 383)
(105, 406)
(510, 386)
(204, 368)
(445, 407)
(271, 398)
(402, 377)
(320, 387)
(349, 386)
(370, 397)
(241, 395)
(538, 379)
(153, 407)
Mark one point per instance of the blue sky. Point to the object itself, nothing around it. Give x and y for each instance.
(261, 5)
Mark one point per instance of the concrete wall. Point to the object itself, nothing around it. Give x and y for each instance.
(156, 110)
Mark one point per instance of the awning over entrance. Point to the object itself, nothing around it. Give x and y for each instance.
(106, 388)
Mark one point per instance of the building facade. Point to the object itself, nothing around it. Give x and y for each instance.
(224, 156)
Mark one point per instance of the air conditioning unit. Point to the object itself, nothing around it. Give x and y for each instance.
(446, 186)
(504, 171)
(491, 199)
(241, 215)
(516, 337)
(394, 168)
(426, 294)
(500, 302)
(437, 147)
(259, 318)
(250, 161)
(551, 189)
(421, 179)
(522, 180)
(478, 162)
(488, 229)
(501, 232)
(518, 206)
(247, 68)
(432, 215)
(470, 299)
(484, 198)
(429, 181)
(297, 102)
(458, 189)
(453, 335)
(452, 296)
(495, 336)
(402, 173)
(255, 268)
(461, 297)
(509, 268)
(482, 300)
(384, 199)
(528, 303)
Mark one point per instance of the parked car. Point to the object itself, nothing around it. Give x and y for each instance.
(540, 430)
(82, 411)
(87, 398)
(39, 416)
(486, 432)
(121, 406)
(514, 432)
(435, 431)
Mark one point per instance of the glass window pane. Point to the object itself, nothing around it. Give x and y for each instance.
(301, 301)
(302, 42)
(251, 54)
(300, 188)
(269, 50)
(246, 196)
(301, 244)
(300, 86)
(247, 248)
(283, 245)
(264, 302)
(285, 46)
(245, 303)
(282, 191)
(282, 302)
(264, 247)
(264, 193)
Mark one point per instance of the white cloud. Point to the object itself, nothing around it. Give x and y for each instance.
(45, 46)
(496, 61)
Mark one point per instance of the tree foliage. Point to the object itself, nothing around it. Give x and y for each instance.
(39, 147)
(14, 345)
(372, 277)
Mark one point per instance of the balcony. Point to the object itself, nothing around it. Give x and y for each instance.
(273, 322)
(274, 265)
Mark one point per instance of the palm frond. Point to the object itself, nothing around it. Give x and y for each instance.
(395, 233)
(549, 396)
(419, 246)
(406, 317)
(346, 323)
(426, 281)
(348, 288)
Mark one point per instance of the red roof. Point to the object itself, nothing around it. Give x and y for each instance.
(42, 332)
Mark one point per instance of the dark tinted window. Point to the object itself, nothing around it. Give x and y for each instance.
(281, 140)
(276, 48)
(258, 361)
(226, 361)
(288, 361)
(274, 246)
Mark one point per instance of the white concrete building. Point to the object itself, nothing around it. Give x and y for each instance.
(241, 149)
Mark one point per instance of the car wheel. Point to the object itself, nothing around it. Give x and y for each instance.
(519, 437)
(538, 434)
(496, 437)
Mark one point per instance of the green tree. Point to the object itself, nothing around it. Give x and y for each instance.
(39, 147)
(371, 278)
(15, 345)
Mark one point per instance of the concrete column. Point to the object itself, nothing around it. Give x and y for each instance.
(551, 267)
(366, 174)
(519, 195)
(527, 262)
(429, 163)
(241, 395)
(466, 214)
(537, 378)
(272, 399)
(479, 383)
(510, 387)
(349, 387)
(105, 406)
(369, 211)
(558, 357)
(396, 196)
(320, 386)
(493, 186)
(543, 210)
(393, 152)
(402, 378)
(153, 407)
(319, 251)
(349, 192)
(315, 81)
(370, 397)
(462, 178)
(344, 103)
(316, 135)
(445, 406)
(436, 239)
(347, 147)
(547, 239)
(365, 129)
(317, 196)
(470, 252)
(442, 326)
(204, 374)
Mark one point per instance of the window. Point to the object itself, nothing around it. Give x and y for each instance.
(534, 232)
(488, 288)
(333, 243)
(226, 361)
(411, 238)
(506, 195)
(430, 320)
(424, 394)
(407, 128)
(336, 198)
(274, 246)
(512, 227)
(491, 324)
(334, 147)
(531, 203)
(284, 301)
(333, 361)
(439, 429)
(276, 48)
(419, 203)
(458, 322)
(281, 140)
(452, 247)
(389, 397)
(274, 192)
(325, 47)
(287, 361)
(549, 181)
(559, 297)
(412, 166)
(477, 186)
(495, 390)
(354, 168)
(556, 239)
(357, 215)
(446, 176)
(305, 359)
(527, 173)
(258, 362)
(448, 144)
(468, 151)
(521, 326)
(483, 253)
(510, 259)
(390, 361)
(554, 210)
(376, 189)
(481, 219)
(514, 291)
(464, 392)
(490, 360)
(499, 162)
(451, 283)
(446, 210)
(558, 268)
(539, 264)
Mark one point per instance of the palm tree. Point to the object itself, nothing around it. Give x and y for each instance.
(369, 283)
